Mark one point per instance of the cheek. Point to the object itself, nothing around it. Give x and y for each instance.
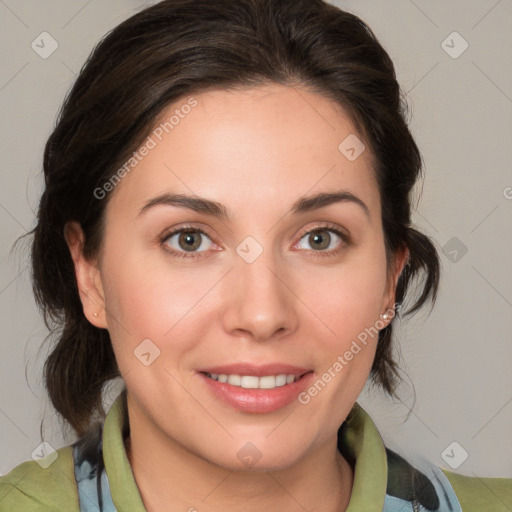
(148, 301)
(351, 311)
(176, 306)
(351, 299)
(350, 308)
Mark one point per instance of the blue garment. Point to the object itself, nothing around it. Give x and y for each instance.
(92, 481)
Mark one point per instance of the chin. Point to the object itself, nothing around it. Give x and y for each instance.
(243, 455)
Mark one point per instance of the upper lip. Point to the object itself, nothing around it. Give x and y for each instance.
(256, 370)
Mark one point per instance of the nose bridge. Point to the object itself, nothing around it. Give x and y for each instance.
(257, 267)
(260, 303)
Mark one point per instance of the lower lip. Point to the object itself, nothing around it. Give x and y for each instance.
(257, 400)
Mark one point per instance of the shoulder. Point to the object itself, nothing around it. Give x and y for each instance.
(476, 494)
(45, 485)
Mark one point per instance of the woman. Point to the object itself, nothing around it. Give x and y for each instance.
(226, 225)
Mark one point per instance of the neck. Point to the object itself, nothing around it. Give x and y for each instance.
(170, 478)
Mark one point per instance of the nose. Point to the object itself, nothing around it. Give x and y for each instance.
(259, 300)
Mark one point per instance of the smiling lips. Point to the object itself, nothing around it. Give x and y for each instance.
(257, 389)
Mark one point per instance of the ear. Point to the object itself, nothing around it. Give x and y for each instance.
(88, 277)
(400, 259)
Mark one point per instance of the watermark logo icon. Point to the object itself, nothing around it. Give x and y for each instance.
(351, 147)
(249, 454)
(454, 45)
(454, 249)
(249, 250)
(45, 455)
(44, 45)
(147, 352)
(454, 455)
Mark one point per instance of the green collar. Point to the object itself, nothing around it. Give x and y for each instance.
(360, 441)
(123, 488)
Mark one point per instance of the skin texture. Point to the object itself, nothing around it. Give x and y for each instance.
(256, 151)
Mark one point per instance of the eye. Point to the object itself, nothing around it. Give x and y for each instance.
(189, 242)
(186, 240)
(321, 238)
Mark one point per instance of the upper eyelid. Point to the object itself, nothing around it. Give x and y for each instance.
(327, 226)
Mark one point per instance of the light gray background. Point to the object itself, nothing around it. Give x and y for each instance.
(459, 358)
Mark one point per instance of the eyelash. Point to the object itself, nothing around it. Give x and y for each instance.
(321, 254)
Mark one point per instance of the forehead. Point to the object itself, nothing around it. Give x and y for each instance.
(249, 148)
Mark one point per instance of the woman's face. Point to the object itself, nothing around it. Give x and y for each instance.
(253, 292)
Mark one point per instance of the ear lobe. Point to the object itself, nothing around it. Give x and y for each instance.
(87, 276)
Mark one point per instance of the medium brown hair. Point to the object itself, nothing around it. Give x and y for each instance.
(174, 49)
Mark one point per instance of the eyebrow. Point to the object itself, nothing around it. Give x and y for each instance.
(208, 207)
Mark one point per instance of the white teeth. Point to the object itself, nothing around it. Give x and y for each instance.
(249, 382)
(267, 382)
(254, 382)
(234, 380)
(280, 380)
